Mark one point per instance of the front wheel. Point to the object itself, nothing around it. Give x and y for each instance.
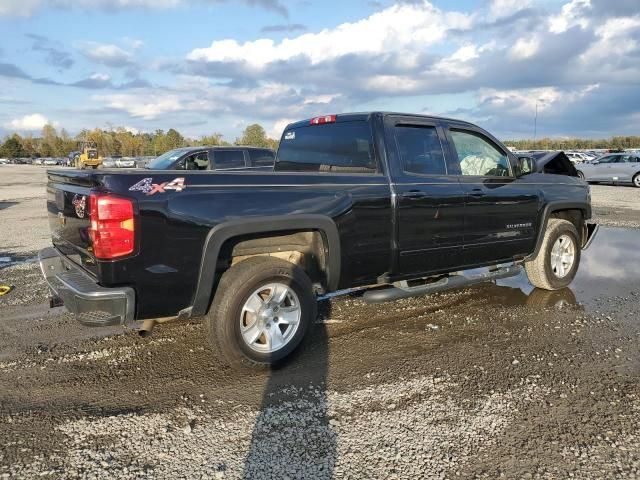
(261, 311)
(556, 264)
(636, 180)
(580, 175)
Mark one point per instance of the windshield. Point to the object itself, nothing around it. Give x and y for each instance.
(166, 160)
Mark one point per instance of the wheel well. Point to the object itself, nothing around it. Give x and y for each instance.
(575, 216)
(305, 248)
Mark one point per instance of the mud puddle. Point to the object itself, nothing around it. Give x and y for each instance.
(608, 269)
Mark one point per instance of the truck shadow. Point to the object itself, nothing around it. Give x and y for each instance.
(292, 436)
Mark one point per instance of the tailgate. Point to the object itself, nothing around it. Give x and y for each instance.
(68, 209)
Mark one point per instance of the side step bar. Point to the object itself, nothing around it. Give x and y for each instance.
(454, 281)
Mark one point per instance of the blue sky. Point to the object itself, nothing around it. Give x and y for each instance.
(205, 66)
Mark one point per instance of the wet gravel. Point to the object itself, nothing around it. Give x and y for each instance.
(499, 380)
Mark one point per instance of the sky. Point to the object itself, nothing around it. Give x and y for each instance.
(216, 66)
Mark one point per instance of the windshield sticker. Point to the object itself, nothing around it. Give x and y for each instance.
(290, 136)
(147, 186)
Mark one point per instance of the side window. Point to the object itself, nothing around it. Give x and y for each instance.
(420, 150)
(607, 159)
(196, 161)
(261, 158)
(225, 159)
(478, 156)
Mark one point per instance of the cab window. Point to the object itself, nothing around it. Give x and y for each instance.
(196, 161)
(420, 150)
(477, 156)
(228, 159)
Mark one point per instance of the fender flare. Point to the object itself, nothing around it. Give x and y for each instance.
(222, 232)
(551, 207)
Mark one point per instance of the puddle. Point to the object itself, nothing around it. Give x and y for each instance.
(609, 268)
(11, 260)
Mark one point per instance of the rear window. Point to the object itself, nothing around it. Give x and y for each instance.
(228, 159)
(261, 158)
(333, 147)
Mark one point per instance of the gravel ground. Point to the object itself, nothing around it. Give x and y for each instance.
(499, 380)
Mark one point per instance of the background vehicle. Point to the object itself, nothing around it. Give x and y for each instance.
(4, 161)
(615, 167)
(402, 203)
(49, 162)
(89, 157)
(214, 158)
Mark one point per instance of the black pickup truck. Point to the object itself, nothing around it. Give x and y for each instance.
(396, 204)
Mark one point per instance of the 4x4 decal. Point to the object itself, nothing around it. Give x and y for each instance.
(147, 186)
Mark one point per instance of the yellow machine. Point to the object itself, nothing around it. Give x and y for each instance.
(88, 157)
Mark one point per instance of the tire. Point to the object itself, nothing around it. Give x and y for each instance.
(541, 272)
(580, 175)
(636, 180)
(247, 287)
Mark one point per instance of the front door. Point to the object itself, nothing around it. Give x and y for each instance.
(429, 201)
(501, 210)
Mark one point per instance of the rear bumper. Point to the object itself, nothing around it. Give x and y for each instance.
(92, 304)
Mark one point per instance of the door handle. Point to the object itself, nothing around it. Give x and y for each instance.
(477, 192)
(414, 194)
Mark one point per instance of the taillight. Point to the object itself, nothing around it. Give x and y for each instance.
(323, 120)
(112, 229)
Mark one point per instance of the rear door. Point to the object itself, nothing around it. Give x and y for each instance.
(622, 168)
(501, 211)
(429, 201)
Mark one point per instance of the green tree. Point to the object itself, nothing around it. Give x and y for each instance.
(254, 136)
(12, 147)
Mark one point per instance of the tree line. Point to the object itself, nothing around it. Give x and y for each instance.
(120, 141)
(612, 143)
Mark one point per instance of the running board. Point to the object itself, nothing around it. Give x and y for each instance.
(447, 283)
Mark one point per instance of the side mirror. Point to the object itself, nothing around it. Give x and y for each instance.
(525, 166)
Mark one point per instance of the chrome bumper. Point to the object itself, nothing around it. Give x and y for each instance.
(81, 295)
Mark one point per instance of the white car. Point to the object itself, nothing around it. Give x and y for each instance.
(4, 161)
(577, 157)
(613, 168)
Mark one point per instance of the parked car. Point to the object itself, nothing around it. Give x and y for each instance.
(615, 167)
(401, 202)
(49, 162)
(577, 157)
(4, 161)
(214, 158)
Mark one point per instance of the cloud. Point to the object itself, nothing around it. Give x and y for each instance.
(32, 122)
(55, 55)
(399, 28)
(572, 14)
(27, 8)
(106, 54)
(287, 27)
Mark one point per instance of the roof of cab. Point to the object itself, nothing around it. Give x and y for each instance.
(351, 117)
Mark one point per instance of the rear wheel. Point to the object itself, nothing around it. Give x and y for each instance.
(261, 311)
(636, 180)
(580, 175)
(556, 264)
